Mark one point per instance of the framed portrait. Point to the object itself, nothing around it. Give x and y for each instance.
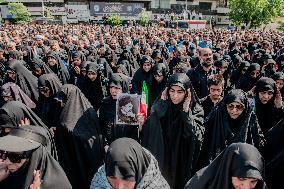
(127, 107)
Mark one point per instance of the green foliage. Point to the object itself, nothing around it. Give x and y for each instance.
(21, 13)
(254, 13)
(281, 26)
(114, 20)
(144, 18)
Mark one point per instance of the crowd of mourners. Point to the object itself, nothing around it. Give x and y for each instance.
(215, 116)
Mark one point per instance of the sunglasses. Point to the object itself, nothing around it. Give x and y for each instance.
(14, 157)
(239, 107)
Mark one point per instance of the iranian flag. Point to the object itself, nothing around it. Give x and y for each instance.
(144, 100)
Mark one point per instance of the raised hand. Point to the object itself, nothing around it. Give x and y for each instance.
(278, 100)
(187, 101)
(164, 95)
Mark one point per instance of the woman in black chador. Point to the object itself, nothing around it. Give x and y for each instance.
(250, 77)
(129, 165)
(24, 151)
(119, 83)
(19, 74)
(268, 103)
(78, 137)
(274, 155)
(13, 113)
(232, 120)
(48, 86)
(174, 131)
(240, 165)
(160, 74)
(93, 87)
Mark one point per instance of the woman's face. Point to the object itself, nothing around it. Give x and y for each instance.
(244, 183)
(45, 92)
(92, 75)
(8, 98)
(114, 91)
(254, 74)
(235, 109)
(120, 184)
(12, 75)
(265, 96)
(279, 84)
(159, 78)
(147, 67)
(177, 94)
(15, 161)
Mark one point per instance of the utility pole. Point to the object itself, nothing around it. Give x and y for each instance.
(42, 5)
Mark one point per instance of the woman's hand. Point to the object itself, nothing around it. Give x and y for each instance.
(141, 120)
(187, 101)
(278, 100)
(36, 182)
(164, 95)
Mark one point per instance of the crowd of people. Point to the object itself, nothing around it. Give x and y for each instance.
(215, 114)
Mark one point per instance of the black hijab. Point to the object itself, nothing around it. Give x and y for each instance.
(38, 63)
(239, 159)
(78, 137)
(221, 130)
(126, 160)
(59, 69)
(268, 115)
(25, 79)
(236, 74)
(94, 90)
(52, 175)
(173, 136)
(13, 90)
(246, 82)
(17, 111)
(46, 106)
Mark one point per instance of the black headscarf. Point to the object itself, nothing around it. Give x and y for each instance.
(38, 63)
(268, 115)
(25, 79)
(140, 76)
(17, 111)
(279, 76)
(59, 69)
(126, 160)
(173, 136)
(221, 130)
(246, 82)
(13, 90)
(52, 175)
(94, 90)
(78, 137)
(236, 74)
(239, 160)
(46, 106)
(110, 130)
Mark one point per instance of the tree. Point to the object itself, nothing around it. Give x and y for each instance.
(114, 20)
(254, 13)
(281, 26)
(143, 18)
(21, 13)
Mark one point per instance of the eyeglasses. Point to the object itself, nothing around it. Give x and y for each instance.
(239, 107)
(14, 157)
